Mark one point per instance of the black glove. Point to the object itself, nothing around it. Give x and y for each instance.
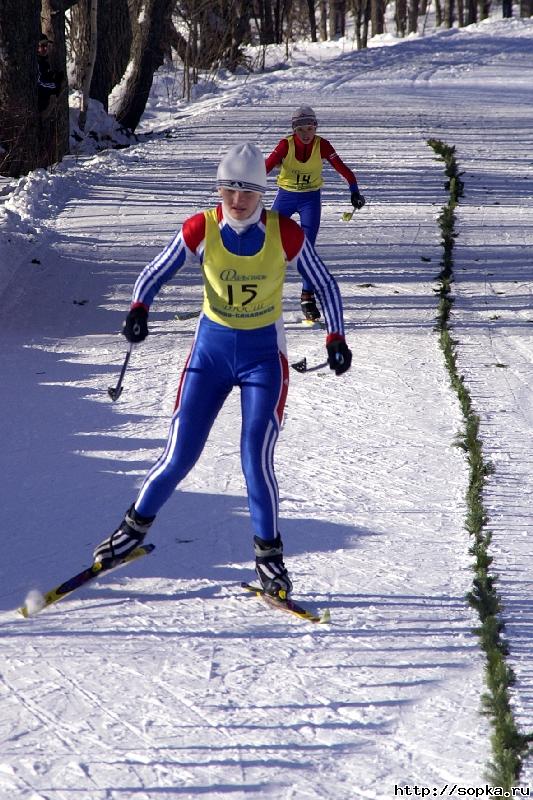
(358, 200)
(135, 327)
(339, 356)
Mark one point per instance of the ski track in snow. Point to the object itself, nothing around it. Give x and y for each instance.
(164, 679)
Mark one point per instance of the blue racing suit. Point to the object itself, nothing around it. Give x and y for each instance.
(225, 354)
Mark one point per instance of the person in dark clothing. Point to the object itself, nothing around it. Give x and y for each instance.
(50, 82)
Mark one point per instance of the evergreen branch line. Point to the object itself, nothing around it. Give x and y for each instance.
(508, 745)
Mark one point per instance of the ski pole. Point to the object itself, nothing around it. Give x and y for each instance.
(301, 366)
(114, 392)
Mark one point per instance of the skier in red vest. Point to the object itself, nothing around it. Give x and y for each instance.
(300, 157)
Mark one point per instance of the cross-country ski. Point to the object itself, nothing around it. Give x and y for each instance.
(97, 570)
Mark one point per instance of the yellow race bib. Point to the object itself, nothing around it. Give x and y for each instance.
(243, 291)
(297, 176)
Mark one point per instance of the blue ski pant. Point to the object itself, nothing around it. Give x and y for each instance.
(308, 205)
(221, 358)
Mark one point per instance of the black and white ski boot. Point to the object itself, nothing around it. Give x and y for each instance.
(309, 306)
(129, 535)
(269, 567)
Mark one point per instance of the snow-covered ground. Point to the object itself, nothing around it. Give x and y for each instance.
(163, 680)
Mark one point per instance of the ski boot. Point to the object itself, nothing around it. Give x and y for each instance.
(309, 306)
(269, 567)
(129, 535)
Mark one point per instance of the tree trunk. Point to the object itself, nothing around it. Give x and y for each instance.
(56, 127)
(323, 20)
(413, 16)
(223, 29)
(281, 12)
(266, 22)
(507, 9)
(484, 9)
(148, 23)
(361, 13)
(80, 31)
(337, 18)
(401, 17)
(448, 13)
(89, 67)
(312, 19)
(377, 15)
(366, 22)
(177, 42)
(112, 49)
(19, 119)
(471, 12)
(238, 31)
(526, 8)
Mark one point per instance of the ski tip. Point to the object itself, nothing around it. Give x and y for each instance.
(325, 617)
(35, 602)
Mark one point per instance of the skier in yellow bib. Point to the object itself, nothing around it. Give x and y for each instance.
(243, 251)
(300, 157)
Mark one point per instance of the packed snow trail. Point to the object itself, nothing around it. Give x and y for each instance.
(294, 710)
(171, 681)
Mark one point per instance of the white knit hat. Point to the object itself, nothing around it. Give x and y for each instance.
(303, 115)
(243, 167)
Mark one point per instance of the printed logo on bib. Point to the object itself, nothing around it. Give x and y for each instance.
(233, 275)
